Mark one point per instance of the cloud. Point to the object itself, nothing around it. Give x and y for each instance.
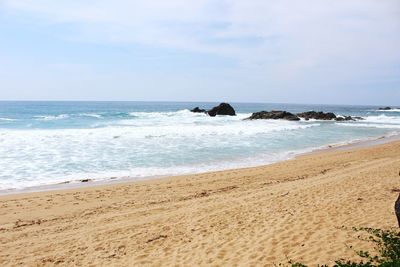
(228, 27)
(285, 42)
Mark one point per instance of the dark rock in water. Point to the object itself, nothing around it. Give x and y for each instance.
(278, 114)
(222, 109)
(273, 115)
(358, 118)
(349, 118)
(198, 110)
(317, 115)
(345, 118)
(385, 108)
(340, 119)
(86, 180)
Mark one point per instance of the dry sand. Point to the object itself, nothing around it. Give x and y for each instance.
(246, 217)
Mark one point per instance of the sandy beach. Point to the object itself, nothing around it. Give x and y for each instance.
(246, 217)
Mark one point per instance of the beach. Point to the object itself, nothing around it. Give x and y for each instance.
(199, 133)
(301, 209)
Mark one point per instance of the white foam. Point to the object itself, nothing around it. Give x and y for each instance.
(141, 173)
(7, 119)
(383, 119)
(52, 117)
(134, 129)
(141, 148)
(148, 172)
(145, 144)
(92, 115)
(371, 125)
(390, 110)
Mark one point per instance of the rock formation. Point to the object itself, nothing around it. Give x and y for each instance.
(273, 115)
(317, 115)
(222, 109)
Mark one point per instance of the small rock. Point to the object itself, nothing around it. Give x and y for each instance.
(345, 118)
(198, 110)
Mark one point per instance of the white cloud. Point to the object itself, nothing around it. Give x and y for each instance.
(286, 42)
(294, 25)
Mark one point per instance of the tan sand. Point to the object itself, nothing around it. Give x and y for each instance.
(246, 217)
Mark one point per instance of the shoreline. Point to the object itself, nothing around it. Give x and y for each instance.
(85, 183)
(301, 209)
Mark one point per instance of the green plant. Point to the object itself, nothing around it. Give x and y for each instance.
(386, 254)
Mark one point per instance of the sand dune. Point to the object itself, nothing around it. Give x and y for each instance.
(246, 217)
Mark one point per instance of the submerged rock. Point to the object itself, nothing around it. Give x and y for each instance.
(317, 115)
(358, 118)
(385, 108)
(198, 110)
(222, 109)
(345, 118)
(273, 115)
(348, 118)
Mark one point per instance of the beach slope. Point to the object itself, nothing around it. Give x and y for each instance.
(256, 216)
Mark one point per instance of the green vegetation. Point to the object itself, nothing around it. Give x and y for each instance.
(386, 254)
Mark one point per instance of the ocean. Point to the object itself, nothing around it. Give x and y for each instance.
(45, 143)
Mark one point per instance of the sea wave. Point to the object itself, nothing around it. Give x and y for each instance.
(166, 114)
(174, 129)
(371, 125)
(390, 110)
(92, 115)
(7, 119)
(51, 117)
(381, 121)
(140, 173)
(44, 178)
(182, 113)
(384, 119)
(181, 117)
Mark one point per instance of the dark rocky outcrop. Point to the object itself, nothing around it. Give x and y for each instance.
(348, 118)
(273, 115)
(222, 109)
(284, 115)
(317, 115)
(385, 108)
(345, 118)
(198, 110)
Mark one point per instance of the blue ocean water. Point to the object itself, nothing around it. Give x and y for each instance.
(45, 143)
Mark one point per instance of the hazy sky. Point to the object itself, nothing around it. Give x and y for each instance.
(299, 51)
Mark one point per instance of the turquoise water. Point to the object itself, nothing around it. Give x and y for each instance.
(45, 143)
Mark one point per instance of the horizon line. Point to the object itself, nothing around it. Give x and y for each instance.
(191, 101)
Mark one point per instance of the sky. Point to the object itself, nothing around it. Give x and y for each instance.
(281, 51)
